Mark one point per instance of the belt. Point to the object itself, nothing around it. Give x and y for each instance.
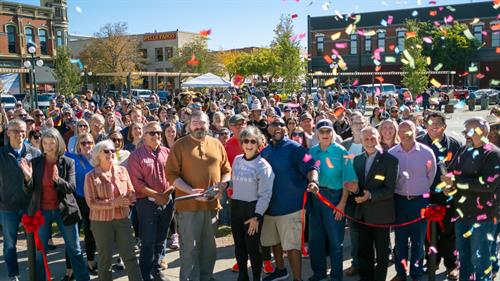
(409, 197)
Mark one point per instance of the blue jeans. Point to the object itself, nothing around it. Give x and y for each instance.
(225, 213)
(474, 251)
(494, 252)
(10, 223)
(71, 240)
(322, 226)
(407, 210)
(154, 221)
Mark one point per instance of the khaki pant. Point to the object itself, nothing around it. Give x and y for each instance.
(109, 233)
(285, 230)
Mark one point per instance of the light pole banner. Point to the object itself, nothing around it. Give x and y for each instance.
(10, 83)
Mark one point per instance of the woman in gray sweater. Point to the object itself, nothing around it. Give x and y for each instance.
(252, 183)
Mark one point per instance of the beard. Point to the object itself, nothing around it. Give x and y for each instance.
(199, 133)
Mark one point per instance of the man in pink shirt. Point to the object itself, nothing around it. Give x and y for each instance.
(146, 166)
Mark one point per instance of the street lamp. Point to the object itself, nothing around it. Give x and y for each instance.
(86, 73)
(31, 65)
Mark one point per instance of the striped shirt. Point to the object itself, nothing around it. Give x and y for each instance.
(101, 191)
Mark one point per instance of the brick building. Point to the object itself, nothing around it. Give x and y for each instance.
(45, 25)
(388, 28)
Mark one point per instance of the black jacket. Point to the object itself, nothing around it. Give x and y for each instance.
(65, 187)
(380, 209)
(448, 144)
(12, 197)
(477, 181)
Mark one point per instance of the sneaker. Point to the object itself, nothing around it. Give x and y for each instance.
(119, 264)
(14, 278)
(235, 268)
(174, 241)
(51, 245)
(268, 267)
(278, 274)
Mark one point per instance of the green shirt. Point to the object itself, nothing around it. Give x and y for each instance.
(335, 166)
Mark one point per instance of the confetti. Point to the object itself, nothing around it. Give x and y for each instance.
(481, 217)
(329, 163)
(495, 27)
(462, 199)
(328, 59)
(478, 131)
(379, 79)
(379, 177)
(329, 82)
(448, 19)
(426, 195)
(390, 59)
(435, 83)
(463, 186)
(383, 22)
(427, 39)
(473, 68)
(433, 13)
(468, 34)
(78, 9)
(488, 270)
(491, 179)
(405, 264)
(411, 34)
(307, 158)
(349, 156)
(340, 45)
(467, 234)
(325, 6)
(338, 14)
(441, 185)
(390, 19)
(460, 213)
(335, 36)
(193, 61)
(438, 67)
(317, 163)
(432, 250)
(294, 16)
(350, 29)
(451, 9)
(355, 83)
(414, 13)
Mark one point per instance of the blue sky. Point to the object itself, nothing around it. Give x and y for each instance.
(234, 23)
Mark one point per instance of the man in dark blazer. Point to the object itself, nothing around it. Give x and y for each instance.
(373, 193)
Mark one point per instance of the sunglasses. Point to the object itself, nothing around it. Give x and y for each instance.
(247, 141)
(85, 143)
(108, 151)
(117, 140)
(82, 126)
(154, 133)
(36, 137)
(278, 124)
(296, 134)
(107, 107)
(22, 115)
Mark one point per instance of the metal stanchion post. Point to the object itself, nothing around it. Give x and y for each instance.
(30, 237)
(432, 255)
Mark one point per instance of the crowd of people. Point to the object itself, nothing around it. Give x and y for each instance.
(114, 170)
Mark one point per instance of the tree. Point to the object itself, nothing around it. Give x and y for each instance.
(416, 78)
(113, 50)
(290, 67)
(195, 57)
(449, 47)
(68, 75)
(228, 60)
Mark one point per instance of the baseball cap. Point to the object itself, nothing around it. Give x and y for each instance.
(324, 124)
(235, 118)
(305, 116)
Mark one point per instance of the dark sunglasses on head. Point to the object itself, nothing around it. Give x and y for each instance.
(247, 141)
(108, 151)
(154, 133)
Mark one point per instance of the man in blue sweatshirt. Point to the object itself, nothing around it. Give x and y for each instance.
(295, 172)
(15, 158)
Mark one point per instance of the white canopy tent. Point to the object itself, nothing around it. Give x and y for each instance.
(206, 80)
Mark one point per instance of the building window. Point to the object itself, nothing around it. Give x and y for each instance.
(354, 43)
(169, 52)
(59, 38)
(495, 39)
(320, 44)
(11, 36)
(57, 12)
(478, 33)
(30, 35)
(381, 40)
(368, 44)
(159, 54)
(401, 39)
(42, 34)
(144, 53)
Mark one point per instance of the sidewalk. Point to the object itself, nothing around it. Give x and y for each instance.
(222, 271)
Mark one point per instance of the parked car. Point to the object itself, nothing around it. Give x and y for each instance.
(141, 94)
(43, 101)
(384, 90)
(8, 101)
(491, 93)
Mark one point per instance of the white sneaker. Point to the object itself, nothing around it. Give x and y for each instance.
(14, 278)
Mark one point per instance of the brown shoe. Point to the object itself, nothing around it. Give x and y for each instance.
(398, 278)
(452, 273)
(351, 271)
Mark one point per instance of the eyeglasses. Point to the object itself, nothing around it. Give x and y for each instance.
(107, 107)
(296, 134)
(85, 143)
(108, 151)
(82, 126)
(117, 140)
(247, 141)
(278, 124)
(154, 133)
(22, 115)
(36, 137)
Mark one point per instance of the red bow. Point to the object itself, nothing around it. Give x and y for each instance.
(434, 213)
(32, 224)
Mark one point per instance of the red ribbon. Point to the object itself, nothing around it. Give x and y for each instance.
(325, 201)
(434, 213)
(32, 224)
